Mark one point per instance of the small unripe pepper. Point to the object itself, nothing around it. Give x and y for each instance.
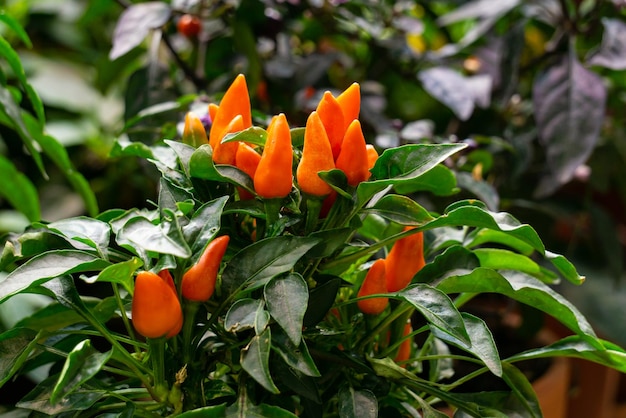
(374, 283)
(404, 260)
(156, 310)
(404, 351)
(194, 133)
(352, 159)
(225, 153)
(247, 160)
(198, 282)
(350, 102)
(331, 115)
(273, 177)
(317, 156)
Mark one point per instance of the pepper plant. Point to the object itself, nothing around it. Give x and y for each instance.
(233, 295)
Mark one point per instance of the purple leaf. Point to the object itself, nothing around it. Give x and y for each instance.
(612, 53)
(134, 25)
(569, 110)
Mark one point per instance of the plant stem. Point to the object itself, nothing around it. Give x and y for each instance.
(191, 308)
(120, 304)
(401, 310)
(157, 356)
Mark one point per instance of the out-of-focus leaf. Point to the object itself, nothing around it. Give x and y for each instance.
(481, 189)
(477, 9)
(135, 23)
(612, 53)
(19, 191)
(15, 27)
(569, 110)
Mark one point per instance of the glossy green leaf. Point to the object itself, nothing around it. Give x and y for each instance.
(474, 213)
(357, 403)
(437, 308)
(295, 356)
(54, 317)
(84, 233)
(121, 273)
(576, 346)
(482, 344)
(252, 135)
(124, 147)
(499, 259)
(217, 411)
(256, 264)
(171, 196)
(287, 298)
(330, 241)
(290, 379)
(184, 152)
(39, 399)
(321, 299)
(201, 166)
(16, 346)
(522, 288)
(440, 180)
(18, 190)
(28, 244)
(453, 260)
(81, 364)
(249, 410)
(491, 236)
(400, 209)
(242, 315)
(523, 390)
(142, 233)
(261, 319)
(46, 266)
(255, 360)
(565, 267)
(204, 224)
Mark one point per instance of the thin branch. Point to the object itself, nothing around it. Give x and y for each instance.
(199, 82)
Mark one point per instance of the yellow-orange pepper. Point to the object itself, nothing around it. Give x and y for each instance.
(156, 310)
(350, 102)
(194, 133)
(198, 282)
(273, 177)
(331, 115)
(374, 283)
(404, 260)
(247, 160)
(404, 351)
(225, 153)
(372, 156)
(352, 159)
(317, 156)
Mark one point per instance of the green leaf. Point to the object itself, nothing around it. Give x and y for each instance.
(488, 236)
(18, 190)
(142, 233)
(255, 360)
(293, 380)
(499, 259)
(16, 27)
(256, 264)
(437, 308)
(524, 289)
(400, 209)
(474, 213)
(252, 135)
(440, 181)
(321, 299)
(39, 399)
(482, 344)
(357, 403)
(204, 224)
(249, 410)
(121, 273)
(565, 267)
(287, 298)
(297, 357)
(81, 364)
(123, 147)
(523, 390)
(242, 315)
(47, 266)
(217, 411)
(53, 317)
(134, 25)
(576, 346)
(453, 260)
(160, 109)
(16, 346)
(84, 233)
(171, 197)
(28, 244)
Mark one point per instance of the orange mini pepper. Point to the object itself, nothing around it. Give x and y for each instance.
(247, 160)
(198, 282)
(404, 351)
(317, 156)
(194, 133)
(156, 310)
(352, 159)
(331, 115)
(404, 260)
(350, 102)
(373, 283)
(273, 177)
(225, 153)
(372, 156)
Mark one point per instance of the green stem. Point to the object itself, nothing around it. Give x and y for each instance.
(120, 305)
(157, 356)
(382, 325)
(313, 208)
(272, 215)
(191, 308)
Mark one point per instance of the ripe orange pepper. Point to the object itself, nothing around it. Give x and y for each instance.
(247, 160)
(213, 108)
(198, 282)
(167, 277)
(225, 153)
(194, 133)
(404, 260)
(156, 310)
(350, 102)
(273, 177)
(404, 351)
(372, 156)
(352, 159)
(331, 115)
(374, 283)
(236, 101)
(317, 156)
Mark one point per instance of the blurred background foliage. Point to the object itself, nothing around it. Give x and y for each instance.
(536, 88)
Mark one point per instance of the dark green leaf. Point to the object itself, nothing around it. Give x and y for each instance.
(134, 25)
(242, 315)
(81, 364)
(171, 196)
(39, 399)
(16, 346)
(400, 209)
(255, 360)
(291, 379)
(256, 264)
(140, 232)
(321, 299)
(217, 411)
(159, 109)
(249, 410)
(440, 180)
(479, 188)
(204, 224)
(331, 241)
(84, 233)
(287, 298)
(523, 390)
(18, 190)
(522, 288)
(454, 260)
(296, 357)
(437, 308)
(47, 266)
(357, 403)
